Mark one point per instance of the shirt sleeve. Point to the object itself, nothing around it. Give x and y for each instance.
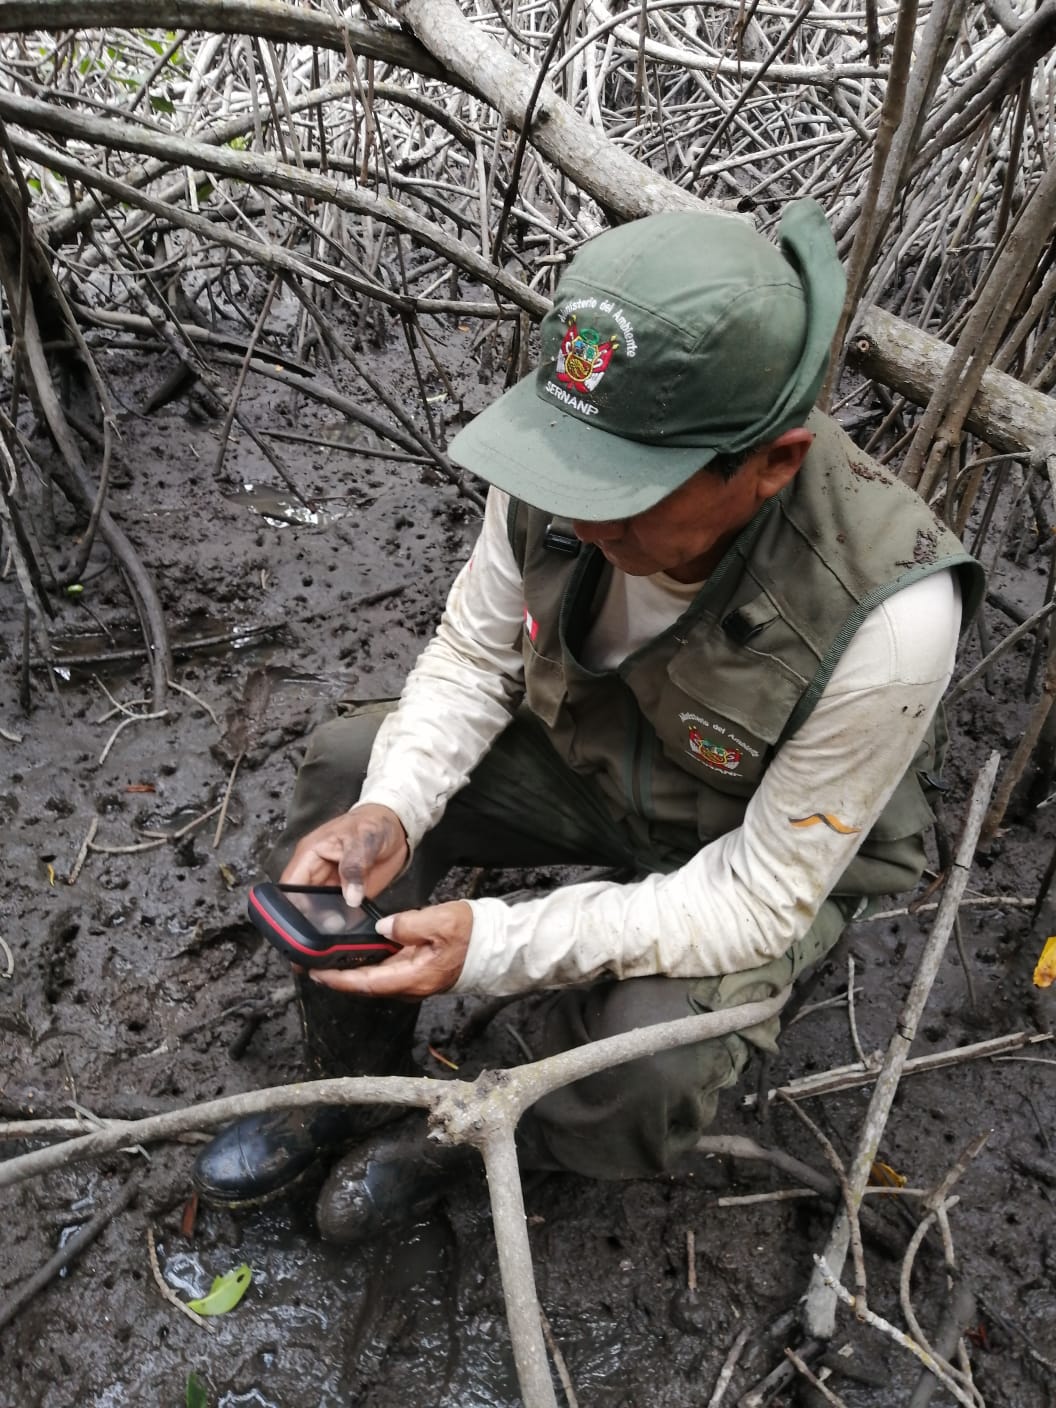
(462, 691)
(746, 897)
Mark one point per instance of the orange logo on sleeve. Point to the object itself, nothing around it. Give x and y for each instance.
(824, 819)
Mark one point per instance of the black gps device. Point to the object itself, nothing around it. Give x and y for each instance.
(313, 926)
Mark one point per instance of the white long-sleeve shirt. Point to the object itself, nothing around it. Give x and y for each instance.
(742, 899)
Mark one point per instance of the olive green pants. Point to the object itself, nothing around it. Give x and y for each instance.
(523, 806)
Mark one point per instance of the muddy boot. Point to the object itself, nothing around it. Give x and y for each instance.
(392, 1179)
(264, 1156)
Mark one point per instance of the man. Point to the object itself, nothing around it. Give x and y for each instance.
(702, 637)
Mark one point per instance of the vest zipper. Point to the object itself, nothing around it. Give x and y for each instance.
(638, 781)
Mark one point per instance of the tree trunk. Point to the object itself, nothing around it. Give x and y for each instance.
(1005, 413)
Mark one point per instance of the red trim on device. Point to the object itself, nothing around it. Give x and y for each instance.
(384, 946)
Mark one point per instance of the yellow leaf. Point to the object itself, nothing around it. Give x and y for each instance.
(1045, 972)
(51, 877)
(886, 1176)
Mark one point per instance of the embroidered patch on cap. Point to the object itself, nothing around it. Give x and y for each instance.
(583, 358)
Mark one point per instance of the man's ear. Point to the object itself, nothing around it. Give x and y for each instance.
(782, 460)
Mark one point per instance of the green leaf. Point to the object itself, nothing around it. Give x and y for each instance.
(196, 1395)
(160, 104)
(225, 1292)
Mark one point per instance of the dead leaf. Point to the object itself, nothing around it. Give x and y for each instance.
(1045, 972)
(884, 1176)
(246, 717)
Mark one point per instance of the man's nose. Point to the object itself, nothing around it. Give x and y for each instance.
(608, 530)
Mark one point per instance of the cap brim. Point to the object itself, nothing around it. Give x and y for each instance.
(566, 466)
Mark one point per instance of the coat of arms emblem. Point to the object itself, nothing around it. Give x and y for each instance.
(714, 755)
(583, 357)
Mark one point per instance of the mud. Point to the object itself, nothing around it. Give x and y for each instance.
(122, 980)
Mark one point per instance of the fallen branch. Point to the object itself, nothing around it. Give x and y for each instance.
(132, 719)
(739, 1146)
(270, 174)
(263, 18)
(1005, 412)
(870, 1317)
(82, 854)
(729, 1365)
(69, 1253)
(155, 838)
(483, 1113)
(820, 1308)
(959, 1316)
(226, 801)
(72, 474)
(166, 1290)
(1030, 624)
(851, 1077)
(812, 1379)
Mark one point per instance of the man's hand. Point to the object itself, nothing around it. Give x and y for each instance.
(363, 851)
(434, 941)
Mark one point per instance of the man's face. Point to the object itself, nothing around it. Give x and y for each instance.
(686, 534)
(683, 535)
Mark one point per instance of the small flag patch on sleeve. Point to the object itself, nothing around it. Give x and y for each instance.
(531, 625)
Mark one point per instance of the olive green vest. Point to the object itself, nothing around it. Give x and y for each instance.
(679, 736)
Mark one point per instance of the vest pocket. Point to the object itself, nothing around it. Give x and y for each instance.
(713, 749)
(720, 811)
(544, 684)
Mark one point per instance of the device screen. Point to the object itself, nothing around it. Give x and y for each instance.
(327, 911)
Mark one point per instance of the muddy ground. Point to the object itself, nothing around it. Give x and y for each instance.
(122, 981)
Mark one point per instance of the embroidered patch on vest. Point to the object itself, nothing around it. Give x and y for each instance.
(583, 357)
(703, 744)
(531, 625)
(824, 819)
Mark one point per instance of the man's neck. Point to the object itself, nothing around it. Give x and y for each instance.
(701, 568)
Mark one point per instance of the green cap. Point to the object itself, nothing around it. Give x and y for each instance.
(672, 339)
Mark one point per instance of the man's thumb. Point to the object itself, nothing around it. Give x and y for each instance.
(402, 928)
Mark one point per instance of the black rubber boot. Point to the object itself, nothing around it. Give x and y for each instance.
(392, 1179)
(264, 1156)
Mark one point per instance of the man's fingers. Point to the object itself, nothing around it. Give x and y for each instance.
(351, 866)
(409, 927)
(434, 948)
(315, 860)
(375, 849)
(312, 866)
(402, 975)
